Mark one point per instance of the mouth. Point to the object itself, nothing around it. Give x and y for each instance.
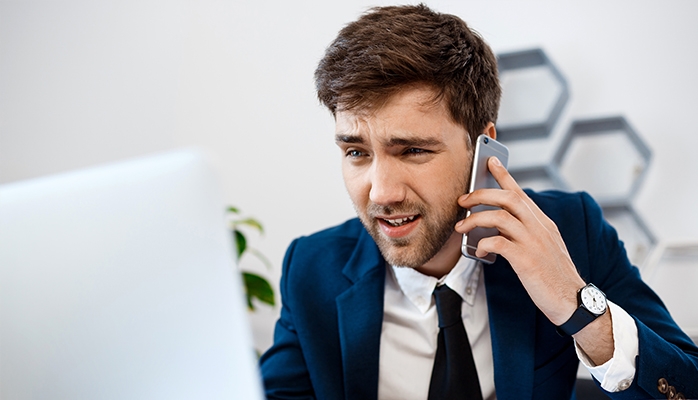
(399, 226)
(400, 221)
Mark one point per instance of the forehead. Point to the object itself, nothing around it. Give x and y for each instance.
(414, 111)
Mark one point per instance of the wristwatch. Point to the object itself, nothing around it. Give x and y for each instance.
(591, 304)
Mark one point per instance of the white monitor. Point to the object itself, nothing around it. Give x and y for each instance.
(118, 282)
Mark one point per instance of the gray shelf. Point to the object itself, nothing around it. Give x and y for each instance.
(534, 93)
(605, 157)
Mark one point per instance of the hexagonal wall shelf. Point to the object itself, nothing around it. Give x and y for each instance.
(538, 178)
(604, 157)
(534, 94)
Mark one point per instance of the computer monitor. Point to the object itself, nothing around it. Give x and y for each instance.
(118, 282)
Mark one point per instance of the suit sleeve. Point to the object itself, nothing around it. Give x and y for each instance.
(284, 371)
(665, 352)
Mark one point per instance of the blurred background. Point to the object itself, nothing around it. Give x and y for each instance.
(84, 83)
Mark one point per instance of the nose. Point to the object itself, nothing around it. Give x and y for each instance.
(387, 183)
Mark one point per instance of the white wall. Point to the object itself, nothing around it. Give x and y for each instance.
(89, 82)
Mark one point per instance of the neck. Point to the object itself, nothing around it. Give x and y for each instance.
(444, 261)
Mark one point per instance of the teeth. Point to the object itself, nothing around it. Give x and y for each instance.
(399, 221)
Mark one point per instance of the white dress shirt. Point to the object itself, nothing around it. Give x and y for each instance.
(410, 330)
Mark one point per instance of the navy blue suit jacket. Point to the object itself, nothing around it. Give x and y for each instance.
(327, 339)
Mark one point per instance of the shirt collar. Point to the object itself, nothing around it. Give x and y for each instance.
(463, 279)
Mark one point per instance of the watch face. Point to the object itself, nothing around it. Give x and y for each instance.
(593, 299)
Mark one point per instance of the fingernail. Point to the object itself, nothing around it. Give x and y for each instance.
(459, 223)
(496, 161)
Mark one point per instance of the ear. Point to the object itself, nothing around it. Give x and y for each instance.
(490, 131)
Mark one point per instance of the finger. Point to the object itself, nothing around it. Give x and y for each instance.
(527, 222)
(494, 244)
(490, 197)
(507, 182)
(501, 175)
(506, 199)
(502, 220)
(530, 219)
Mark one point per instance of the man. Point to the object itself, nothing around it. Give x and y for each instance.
(411, 90)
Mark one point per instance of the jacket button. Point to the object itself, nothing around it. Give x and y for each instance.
(671, 394)
(680, 396)
(662, 385)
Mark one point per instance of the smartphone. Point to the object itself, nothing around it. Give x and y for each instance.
(481, 178)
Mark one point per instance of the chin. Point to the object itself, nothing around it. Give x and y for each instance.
(419, 246)
(404, 256)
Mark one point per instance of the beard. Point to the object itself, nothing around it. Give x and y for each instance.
(413, 251)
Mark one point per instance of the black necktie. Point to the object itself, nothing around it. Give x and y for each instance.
(454, 375)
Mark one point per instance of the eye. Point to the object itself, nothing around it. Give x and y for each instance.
(415, 151)
(353, 153)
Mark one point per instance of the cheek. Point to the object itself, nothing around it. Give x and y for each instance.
(461, 173)
(356, 186)
(448, 180)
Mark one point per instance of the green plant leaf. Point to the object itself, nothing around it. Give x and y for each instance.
(251, 222)
(240, 243)
(232, 209)
(256, 286)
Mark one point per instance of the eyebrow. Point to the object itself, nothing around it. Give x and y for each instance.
(393, 141)
(412, 142)
(349, 139)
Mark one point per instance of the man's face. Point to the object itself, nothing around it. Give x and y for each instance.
(404, 165)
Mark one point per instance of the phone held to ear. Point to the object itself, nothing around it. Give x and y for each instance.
(481, 178)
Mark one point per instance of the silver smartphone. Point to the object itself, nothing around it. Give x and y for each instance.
(481, 178)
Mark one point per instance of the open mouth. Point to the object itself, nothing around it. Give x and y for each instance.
(400, 221)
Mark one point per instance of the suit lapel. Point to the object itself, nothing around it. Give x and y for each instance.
(512, 326)
(360, 315)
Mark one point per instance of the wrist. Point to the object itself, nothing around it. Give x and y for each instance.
(596, 339)
(591, 304)
(567, 304)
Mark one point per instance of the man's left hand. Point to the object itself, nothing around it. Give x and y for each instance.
(532, 244)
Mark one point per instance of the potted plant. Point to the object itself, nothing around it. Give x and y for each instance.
(255, 285)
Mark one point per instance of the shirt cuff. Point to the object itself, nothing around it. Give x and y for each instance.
(617, 373)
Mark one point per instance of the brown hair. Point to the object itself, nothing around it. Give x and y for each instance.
(389, 48)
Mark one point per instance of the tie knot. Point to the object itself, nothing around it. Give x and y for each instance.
(448, 306)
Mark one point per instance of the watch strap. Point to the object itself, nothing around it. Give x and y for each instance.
(579, 319)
